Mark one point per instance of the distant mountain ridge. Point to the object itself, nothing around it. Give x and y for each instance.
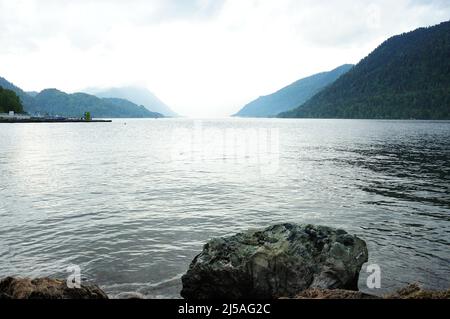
(137, 95)
(292, 95)
(54, 102)
(406, 77)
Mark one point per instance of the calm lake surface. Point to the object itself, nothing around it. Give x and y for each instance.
(133, 201)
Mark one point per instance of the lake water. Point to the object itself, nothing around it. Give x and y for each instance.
(133, 201)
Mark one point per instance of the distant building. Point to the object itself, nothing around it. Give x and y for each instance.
(13, 116)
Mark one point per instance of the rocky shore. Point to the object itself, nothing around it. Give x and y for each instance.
(282, 261)
(46, 288)
(413, 291)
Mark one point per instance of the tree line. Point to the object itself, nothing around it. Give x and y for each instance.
(9, 101)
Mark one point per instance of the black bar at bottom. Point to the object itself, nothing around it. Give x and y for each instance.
(226, 309)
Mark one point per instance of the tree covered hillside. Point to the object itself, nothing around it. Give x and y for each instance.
(407, 77)
(54, 102)
(26, 100)
(9, 101)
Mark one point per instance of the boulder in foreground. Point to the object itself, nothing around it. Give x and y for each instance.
(279, 261)
(46, 288)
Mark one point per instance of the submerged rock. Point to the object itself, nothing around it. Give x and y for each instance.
(279, 261)
(46, 288)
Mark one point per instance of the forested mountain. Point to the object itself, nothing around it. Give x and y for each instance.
(26, 100)
(54, 102)
(293, 95)
(9, 101)
(406, 77)
(137, 95)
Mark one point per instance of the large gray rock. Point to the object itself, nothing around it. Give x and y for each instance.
(280, 261)
(46, 288)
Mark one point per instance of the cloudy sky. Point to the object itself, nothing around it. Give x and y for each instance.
(204, 58)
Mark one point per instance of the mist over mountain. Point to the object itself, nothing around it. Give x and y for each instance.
(137, 95)
(293, 95)
(406, 77)
(127, 106)
(32, 93)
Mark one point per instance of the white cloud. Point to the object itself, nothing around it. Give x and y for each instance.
(203, 57)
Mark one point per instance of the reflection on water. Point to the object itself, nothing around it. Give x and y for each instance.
(132, 209)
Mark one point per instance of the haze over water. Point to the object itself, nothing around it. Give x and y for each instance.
(133, 201)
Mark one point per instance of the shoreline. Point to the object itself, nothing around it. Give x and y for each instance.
(52, 288)
(11, 121)
(305, 261)
(289, 260)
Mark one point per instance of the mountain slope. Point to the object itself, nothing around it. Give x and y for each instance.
(293, 95)
(137, 95)
(54, 102)
(130, 107)
(27, 100)
(406, 77)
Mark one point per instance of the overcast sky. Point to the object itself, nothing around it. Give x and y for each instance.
(204, 58)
